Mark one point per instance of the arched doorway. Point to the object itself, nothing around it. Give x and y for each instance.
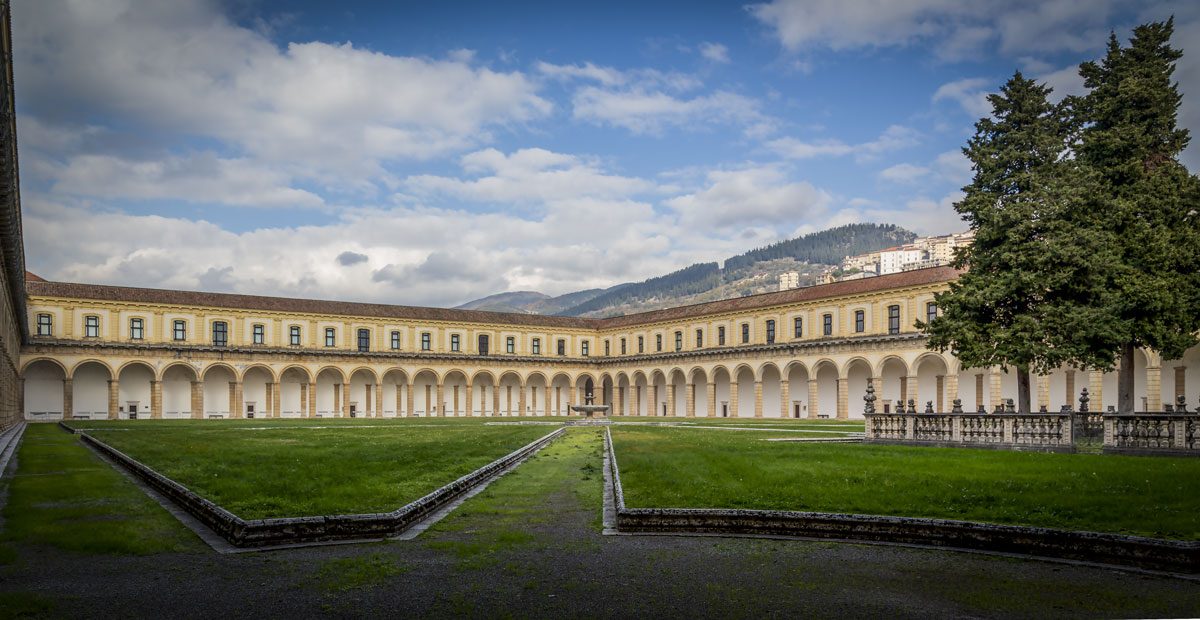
(45, 390)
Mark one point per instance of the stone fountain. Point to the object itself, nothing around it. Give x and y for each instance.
(589, 410)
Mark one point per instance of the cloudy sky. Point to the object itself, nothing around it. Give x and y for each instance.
(436, 152)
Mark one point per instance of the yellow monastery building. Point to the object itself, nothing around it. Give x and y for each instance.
(118, 352)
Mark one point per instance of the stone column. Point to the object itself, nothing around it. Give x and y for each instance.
(843, 393)
(276, 403)
(312, 399)
(399, 401)
(785, 398)
(733, 399)
(440, 406)
(410, 400)
(337, 399)
(368, 402)
(671, 399)
(114, 396)
(940, 405)
(68, 400)
(997, 397)
(637, 400)
(813, 399)
(952, 387)
(508, 408)
(521, 401)
(470, 400)
(623, 401)
(711, 388)
(1181, 382)
(979, 402)
(456, 403)
(1043, 391)
(911, 393)
(304, 408)
(379, 400)
(495, 400)
(198, 400)
(268, 409)
(533, 404)
(1154, 388)
(758, 399)
(345, 400)
(235, 399)
(689, 404)
(156, 408)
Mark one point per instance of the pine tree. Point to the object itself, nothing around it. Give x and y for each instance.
(1147, 203)
(994, 314)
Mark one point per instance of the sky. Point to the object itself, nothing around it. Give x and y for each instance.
(432, 153)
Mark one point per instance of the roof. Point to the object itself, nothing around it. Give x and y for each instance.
(33, 277)
(916, 277)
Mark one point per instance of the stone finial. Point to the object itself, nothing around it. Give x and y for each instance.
(982, 409)
(1043, 409)
(899, 406)
(869, 398)
(957, 406)
(1180, 404)
(1008, 406)
(1168, 408)
(999, 408)
(929, 406)
(912, 406)
(1083, 401)
(1065, 409)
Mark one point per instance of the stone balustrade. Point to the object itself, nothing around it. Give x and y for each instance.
(1039, 431)
(1151, 432)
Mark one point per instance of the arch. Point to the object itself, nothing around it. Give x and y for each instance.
(827, 376)
(89, 383)
(794, 365)
(771, 382)
(583, 376)
(890, 359)
(824, 363)
(338, 372)
(536, 374)
(722, 381)
(270, 371)
(425, 370)
(218, 397)
(454, 393)
(698, 377)
(232, 371)
(758, 373)
(92, 360)
(697, 369)
(367, 369)
(797, 375)
(931, 370)
(132, 363)
(737, 371)
(639, 375)
(424, 392)
(175, 365)
(623, 404)
(657, 374)
(254, 390)
(856, 372)
(308, 376)
(511, 374)
(676, 371)
(509, 388)
(744, 378)
(893, 383)
(294, 382)
(560, 392)
(177, 382)
(479, 374)
(537, 389)
(44, 382)
(65, 372)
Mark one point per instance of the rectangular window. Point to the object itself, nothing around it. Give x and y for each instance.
(510, 345)
(91, 326)
(641, 344)
(720, 335)
(893, 319)
(585, 348)
(678, 341)
(658, 342)
(180, 330)
(455, 342)
(699, 338)
(364, 340)
(562, 346)
(827, 324)
(770, 331)
(622, 346)
(798, 327)
(860, 321)
(426, 341)
(137, 329)
(259, 333)
(294, 335)
(930, 311)
(537, 346)
(330, 337)
(395, 341)
(220, 333)
(607, 348)
(745, 333)
(483, 344)
(45, 325)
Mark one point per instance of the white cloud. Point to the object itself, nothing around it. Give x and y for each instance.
(954, 167)
(749, 196)
(893, 138)
(903, 173)
(970, 93)
(715, 52)
(650, 112)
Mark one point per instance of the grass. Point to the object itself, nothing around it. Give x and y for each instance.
(296, 422)
(358, 572)
(25, 605)
(670, 468)
(503, 515)
(63, 495)
(293, 470)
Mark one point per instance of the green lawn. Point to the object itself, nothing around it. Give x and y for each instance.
(676, 468)
(302, 470)
(296, 422)
(63, 495)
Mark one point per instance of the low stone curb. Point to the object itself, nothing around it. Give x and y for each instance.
(10, 438)
(1094, 547)
(296, 530)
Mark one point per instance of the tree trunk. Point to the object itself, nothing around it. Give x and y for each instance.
(1023, 402)
(1125, 380)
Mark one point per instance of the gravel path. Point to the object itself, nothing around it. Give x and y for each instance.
(530, 546)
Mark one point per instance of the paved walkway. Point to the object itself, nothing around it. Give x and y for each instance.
(530, 546)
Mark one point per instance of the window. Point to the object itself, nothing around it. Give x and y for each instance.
(137, 329)
(364, 340)
(930, 311)
(91, 326)
(860, 321)
(699, 338)
(330, 337)
(770, 331)
(893, 319)
(585, 348)
(484, 344)
(180, 330)
(258, 333)
(510, 345)
(797, 327)
(537, 346)
(622, 346)
(426, 341)
(678, 341)
(455, 342)
(745, 333)
(562, 346)
(45, 325)
(607, 348)
(395, 341)
(220, 333)
(641, 344)
(720, 335)
(658, 342)
(827, 324)
(294, 335)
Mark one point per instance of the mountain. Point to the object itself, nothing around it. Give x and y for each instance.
(752, 272)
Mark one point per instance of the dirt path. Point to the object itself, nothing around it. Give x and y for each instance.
(530, 546)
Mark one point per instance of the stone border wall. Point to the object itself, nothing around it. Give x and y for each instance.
(294, 530)
(1148, 553)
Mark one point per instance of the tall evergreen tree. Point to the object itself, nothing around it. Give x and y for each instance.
(994, 313)
(1147, 204)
